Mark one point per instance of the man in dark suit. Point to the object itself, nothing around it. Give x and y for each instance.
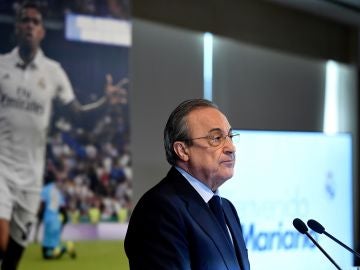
(174, 226)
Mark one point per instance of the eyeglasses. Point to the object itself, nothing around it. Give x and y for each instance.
(217, 138)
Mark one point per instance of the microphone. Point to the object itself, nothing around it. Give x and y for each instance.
(303, 229)
(317, 227)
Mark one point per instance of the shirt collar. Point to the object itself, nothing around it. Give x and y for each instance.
(35, 63)
(204, 191)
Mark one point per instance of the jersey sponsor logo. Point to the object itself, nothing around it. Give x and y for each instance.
(21, 103)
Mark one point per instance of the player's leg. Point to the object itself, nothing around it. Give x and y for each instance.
(51, 238)
(13, 251)
(70, 249)
(50, 253)
(47, 253)
(51, 244)
(6, 203)
(4, 237)
(25, 208)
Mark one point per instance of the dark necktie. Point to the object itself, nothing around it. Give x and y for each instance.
(216, 208)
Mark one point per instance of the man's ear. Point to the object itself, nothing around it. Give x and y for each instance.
(181, 150)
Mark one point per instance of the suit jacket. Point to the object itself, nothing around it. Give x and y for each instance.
(172, 227)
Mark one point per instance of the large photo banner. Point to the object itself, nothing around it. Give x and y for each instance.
(88, 150)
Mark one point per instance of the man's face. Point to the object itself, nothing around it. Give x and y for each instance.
(29, 28)
(211, 165)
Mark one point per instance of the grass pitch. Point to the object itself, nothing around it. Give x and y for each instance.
(91, 255)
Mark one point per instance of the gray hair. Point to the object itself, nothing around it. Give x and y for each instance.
(176, 128)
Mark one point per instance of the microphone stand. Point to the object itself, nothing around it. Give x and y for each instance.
(322, 250)
(342, 244)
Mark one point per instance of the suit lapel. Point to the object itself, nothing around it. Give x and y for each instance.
(214, 231)
(201, 213)
(237, 236)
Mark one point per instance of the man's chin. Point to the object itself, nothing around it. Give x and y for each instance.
(228, 174)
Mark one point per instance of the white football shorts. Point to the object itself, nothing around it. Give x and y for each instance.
(20, 208)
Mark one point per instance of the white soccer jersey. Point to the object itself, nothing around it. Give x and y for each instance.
(26, 96)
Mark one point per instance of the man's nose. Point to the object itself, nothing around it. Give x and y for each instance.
(229, 145)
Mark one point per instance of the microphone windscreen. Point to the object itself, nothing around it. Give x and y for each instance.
(315, 226)
(300, 225)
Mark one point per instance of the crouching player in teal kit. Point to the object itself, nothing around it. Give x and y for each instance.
(53, 214)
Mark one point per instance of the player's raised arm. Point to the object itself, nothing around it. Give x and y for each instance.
(114, 94)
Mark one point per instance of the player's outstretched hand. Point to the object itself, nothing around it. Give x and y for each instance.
(116, 93)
